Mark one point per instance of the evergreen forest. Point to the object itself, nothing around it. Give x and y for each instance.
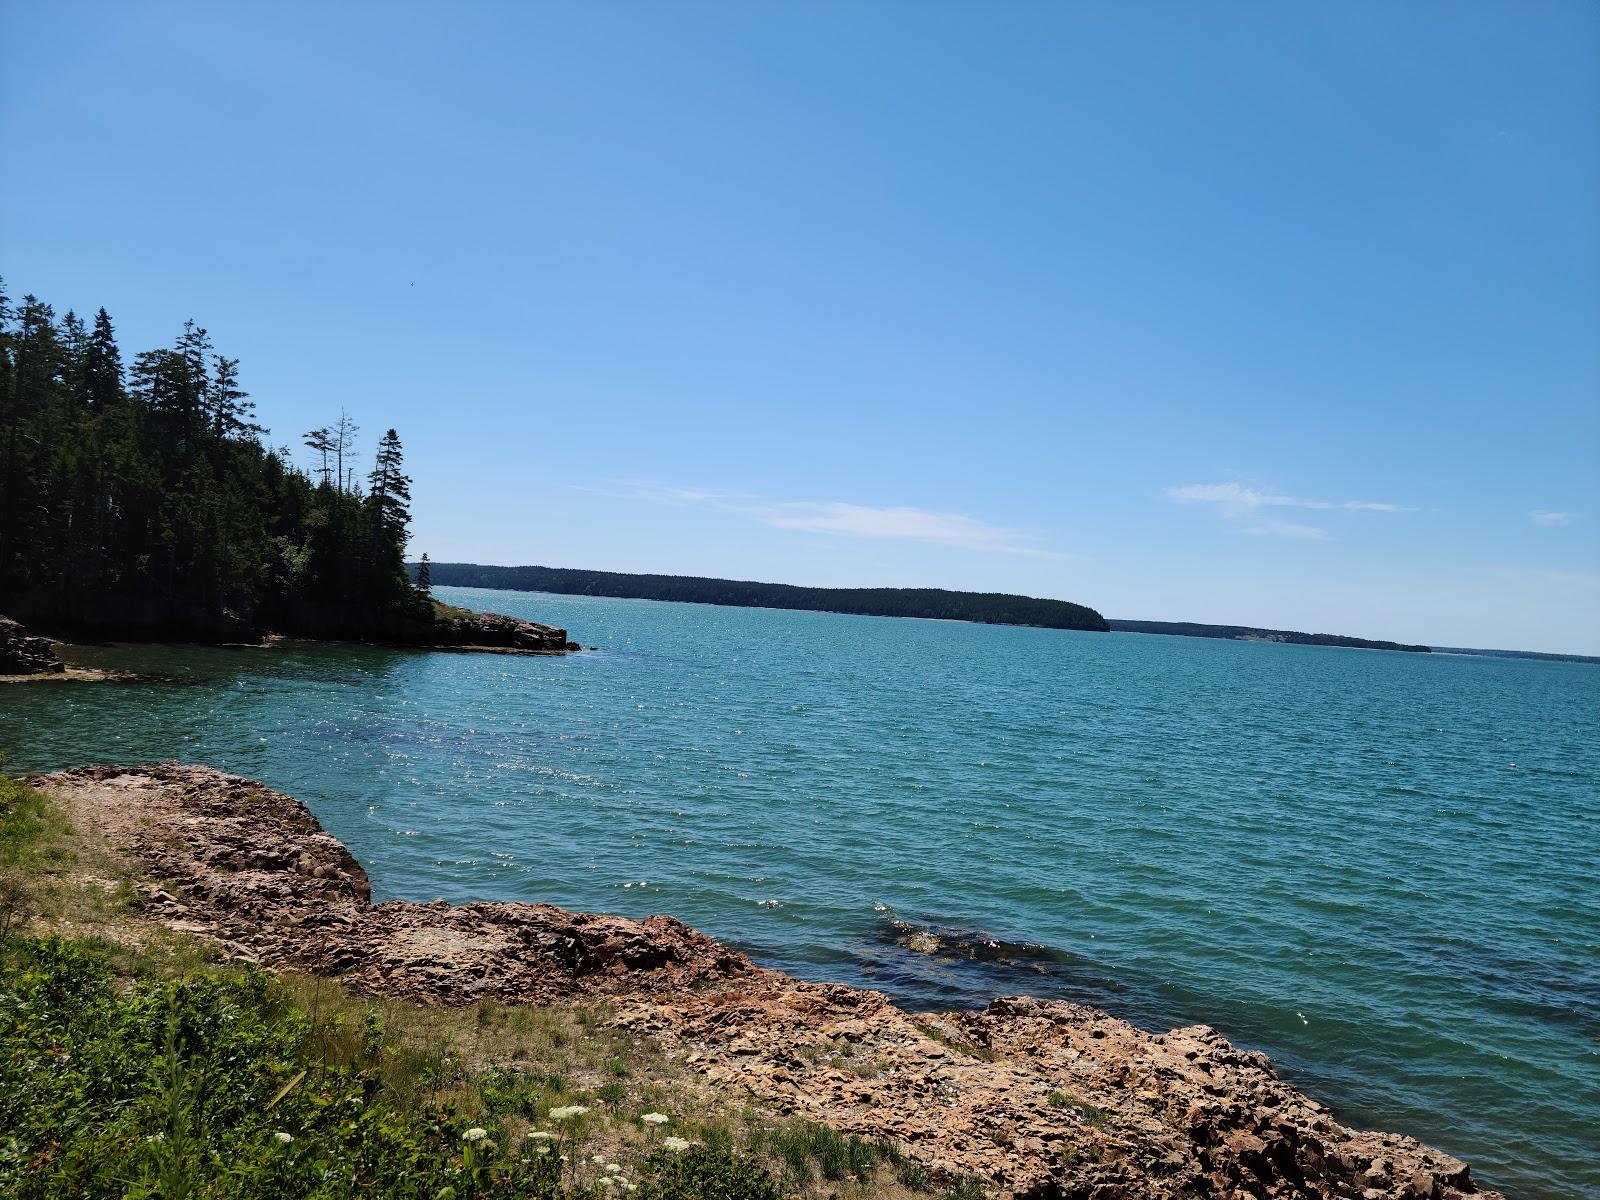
(141, 497)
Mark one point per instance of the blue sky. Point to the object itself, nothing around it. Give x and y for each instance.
(1273, 314)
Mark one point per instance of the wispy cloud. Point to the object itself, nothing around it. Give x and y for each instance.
(841, 518)
(1288, 529)
(1239, 503)
(1543, 517)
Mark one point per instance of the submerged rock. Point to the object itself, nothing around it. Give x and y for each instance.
(1047, 1100)
(21, 653)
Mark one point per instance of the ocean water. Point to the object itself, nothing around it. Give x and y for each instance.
(1383, 869)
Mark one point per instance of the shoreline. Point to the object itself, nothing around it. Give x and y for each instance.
(26, 657)
(1043, 1098)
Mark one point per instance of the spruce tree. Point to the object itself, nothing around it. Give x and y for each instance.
(226, 409)
(102, 365)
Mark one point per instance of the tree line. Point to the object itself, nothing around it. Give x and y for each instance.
(140, 498)
(989, 608)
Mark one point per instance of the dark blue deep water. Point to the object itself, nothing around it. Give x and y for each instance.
(1383, 869)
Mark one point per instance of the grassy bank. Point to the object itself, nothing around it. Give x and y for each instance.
(134, 1062)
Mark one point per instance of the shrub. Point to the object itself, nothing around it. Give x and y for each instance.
(700, 1173)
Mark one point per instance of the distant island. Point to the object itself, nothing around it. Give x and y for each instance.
(985, 608)
(1537, 655)
(1247, 633)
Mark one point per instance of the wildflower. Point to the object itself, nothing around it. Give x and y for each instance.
(654, 1118)
(607, 1181)
(613, 1168)
(570, 1110)
(675, 1143)
(598, 1160)
(541, 1148)
(283, 1137)
(539, 1135)
(475, 1134)
(628, 1185)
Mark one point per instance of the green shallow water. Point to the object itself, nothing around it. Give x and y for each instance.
(1382, 869)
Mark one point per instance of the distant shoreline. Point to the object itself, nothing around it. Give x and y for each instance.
(986, 608)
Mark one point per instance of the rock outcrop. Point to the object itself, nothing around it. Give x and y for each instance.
(496, 631)
(229, 859)
(1045, 1099)
(21, 653)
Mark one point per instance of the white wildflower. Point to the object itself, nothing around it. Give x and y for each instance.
(607, 1181)
(675, 1143)
(283, 1137)
(654, 1118)
(539, 1135)
(614, 1168)
(568, 1111)
(475, 1134)
(599, 1160)
(541, 1148)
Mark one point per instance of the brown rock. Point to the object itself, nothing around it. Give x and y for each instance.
(1145, 1116)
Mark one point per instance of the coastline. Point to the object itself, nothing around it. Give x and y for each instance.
(1044, 1099)
(26, 657)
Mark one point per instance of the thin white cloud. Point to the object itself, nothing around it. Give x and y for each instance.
(913, 524)
(1288, 529)
(1240, 504)
(1544, 517)
(1236, 497)
(837, 517)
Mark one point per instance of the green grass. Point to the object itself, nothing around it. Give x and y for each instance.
(224, 1085)
(1098, 1117)
(960, 1047)
(134, 1063)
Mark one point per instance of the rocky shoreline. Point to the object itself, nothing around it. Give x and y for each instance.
(25, 656)
(1046, 1100)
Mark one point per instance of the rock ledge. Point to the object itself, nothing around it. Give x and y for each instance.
(1046, 1099)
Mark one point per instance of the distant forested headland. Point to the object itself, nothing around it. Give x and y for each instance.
(1246, 633)
(983, 607)
(141, 499)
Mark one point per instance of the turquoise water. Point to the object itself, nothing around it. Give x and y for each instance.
(1383, 869)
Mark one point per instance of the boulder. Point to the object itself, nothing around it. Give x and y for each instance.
(21, 653)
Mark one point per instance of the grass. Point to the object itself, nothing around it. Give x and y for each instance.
(1095, 1116)
(944, 1039)
(133, 1062)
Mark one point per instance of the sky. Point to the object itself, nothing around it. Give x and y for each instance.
(1255, 313)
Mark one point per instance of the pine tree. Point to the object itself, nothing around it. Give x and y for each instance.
(389, 504)
(227, 413)
(389, 489)
(320, 441)
(425, 578)
(102, 365)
